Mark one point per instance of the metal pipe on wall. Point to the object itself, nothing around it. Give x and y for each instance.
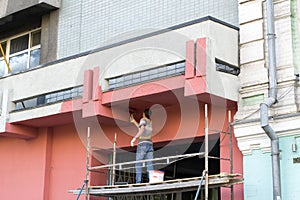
(264, 107)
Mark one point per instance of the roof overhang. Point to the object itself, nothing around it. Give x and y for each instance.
(27, 15)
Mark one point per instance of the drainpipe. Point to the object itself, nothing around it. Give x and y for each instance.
(264, 107)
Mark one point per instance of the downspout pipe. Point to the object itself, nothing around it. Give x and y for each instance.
(264, 121)
(272, 99)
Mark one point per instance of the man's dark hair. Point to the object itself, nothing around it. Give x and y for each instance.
(147, 113)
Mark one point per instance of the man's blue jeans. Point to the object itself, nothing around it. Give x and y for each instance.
(144, 152)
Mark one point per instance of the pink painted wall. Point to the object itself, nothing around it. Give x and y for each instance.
(49, 165)
(237, 164)
(173, 125)
(42, 168)
(22, 168)
(68, 162)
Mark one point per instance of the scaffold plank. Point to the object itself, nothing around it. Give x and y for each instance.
(183, 185)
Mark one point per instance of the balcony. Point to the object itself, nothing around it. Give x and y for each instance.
(17, 13)
(152, 74)
(142, 72)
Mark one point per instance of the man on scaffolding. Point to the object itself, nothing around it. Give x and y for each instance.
(145, 146)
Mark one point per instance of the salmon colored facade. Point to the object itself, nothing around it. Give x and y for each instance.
(44, 157)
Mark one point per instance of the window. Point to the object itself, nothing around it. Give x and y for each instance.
(22, 52)
(46, 99)
(222, 66)
(172, 69)
(2, 62)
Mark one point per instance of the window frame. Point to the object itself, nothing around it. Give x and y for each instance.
(28, 50)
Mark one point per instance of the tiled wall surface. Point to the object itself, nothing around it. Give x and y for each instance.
(88, 24)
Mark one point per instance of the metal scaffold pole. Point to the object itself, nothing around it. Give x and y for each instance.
(88, 146)
(231, 152)
(206, 152)
(114, 161)
(113, 191)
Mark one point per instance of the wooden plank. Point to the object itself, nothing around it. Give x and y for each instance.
(188, 184)
(169, 181)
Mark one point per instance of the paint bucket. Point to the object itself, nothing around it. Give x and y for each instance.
(156, 176)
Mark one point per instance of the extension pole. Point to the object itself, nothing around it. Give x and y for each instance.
(206, 152)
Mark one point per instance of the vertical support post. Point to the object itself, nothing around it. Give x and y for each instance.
(88, 146)
(206, 151)
(114, 160)
(231, 152)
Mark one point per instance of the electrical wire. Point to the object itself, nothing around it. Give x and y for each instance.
(282, 96)
(285, 93)
(247, 116)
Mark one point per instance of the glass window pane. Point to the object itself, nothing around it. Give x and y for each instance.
(18, 63)
(145, 73)
(67, 96)
(35, 38)
(30, 103)
(19, 106)
(3, 44)
(2, 67)
(40, 100)
(34, 58)
(19, 44)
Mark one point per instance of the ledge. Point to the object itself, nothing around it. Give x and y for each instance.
(19, 131)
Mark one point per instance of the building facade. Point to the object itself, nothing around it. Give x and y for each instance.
(79, 64)
(255, 89)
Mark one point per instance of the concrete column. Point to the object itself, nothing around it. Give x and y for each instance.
(49, 37)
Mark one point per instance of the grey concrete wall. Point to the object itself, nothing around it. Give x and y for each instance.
(8, 7)
(12, 6)
(49, 37)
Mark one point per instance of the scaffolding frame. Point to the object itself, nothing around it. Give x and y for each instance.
(186, 184)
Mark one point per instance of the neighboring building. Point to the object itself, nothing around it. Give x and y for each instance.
(79, 64)
(284, 115)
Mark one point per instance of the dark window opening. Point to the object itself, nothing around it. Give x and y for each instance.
(19, 44)
(182, 168)
(35, 38)
(227, 68)
(3, 45)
